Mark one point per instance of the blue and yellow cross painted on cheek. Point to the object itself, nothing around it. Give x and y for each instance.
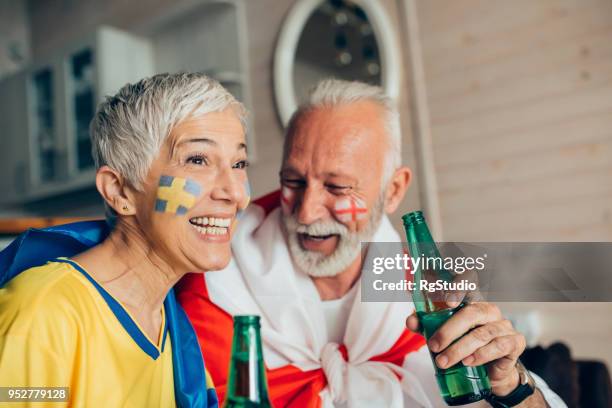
(176, 195)
(247, 190)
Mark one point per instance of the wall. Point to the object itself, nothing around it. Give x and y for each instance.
(14, 36)
(56, 22)
(520, 95)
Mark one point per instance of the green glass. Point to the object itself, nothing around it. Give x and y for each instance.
(247, 386)
(458, 384)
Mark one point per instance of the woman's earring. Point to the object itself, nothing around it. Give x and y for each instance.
(125, 208)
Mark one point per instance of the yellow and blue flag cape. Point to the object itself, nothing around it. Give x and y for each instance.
(38, 246)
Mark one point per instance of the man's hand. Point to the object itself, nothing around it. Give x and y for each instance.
(488, 339)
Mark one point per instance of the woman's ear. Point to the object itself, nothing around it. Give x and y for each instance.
(396, 189)
(113, 188)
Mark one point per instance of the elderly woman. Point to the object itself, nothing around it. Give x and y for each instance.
(97, 315)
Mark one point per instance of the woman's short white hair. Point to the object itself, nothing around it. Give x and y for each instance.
(336, 92)
(130, 127)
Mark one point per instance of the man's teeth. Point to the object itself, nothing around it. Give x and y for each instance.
(317, 237)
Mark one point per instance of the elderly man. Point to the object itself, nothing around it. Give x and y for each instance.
(297, 262)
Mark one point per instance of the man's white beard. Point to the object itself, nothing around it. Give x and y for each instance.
(319, 265)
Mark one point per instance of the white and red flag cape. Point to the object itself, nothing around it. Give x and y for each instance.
(378, 364)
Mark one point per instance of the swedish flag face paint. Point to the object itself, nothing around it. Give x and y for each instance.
(247, 191)
(176, 195)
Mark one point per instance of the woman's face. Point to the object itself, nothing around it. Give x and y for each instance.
(193, 192)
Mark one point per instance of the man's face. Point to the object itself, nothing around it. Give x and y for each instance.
(193, 191)
(331, 185)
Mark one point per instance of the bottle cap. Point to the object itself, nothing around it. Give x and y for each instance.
(251, 320)
(414, 217)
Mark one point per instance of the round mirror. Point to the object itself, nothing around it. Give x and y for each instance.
(345, 39)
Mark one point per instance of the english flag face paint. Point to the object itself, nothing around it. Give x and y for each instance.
(176, 195)
(287, 200)
(350, 210)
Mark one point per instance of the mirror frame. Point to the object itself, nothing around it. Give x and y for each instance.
(286, 47)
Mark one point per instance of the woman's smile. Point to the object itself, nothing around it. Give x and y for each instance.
(212, 227)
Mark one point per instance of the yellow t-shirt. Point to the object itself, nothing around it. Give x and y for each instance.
(60, 328)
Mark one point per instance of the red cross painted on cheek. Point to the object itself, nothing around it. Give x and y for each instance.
(350, 209)
(287, 200)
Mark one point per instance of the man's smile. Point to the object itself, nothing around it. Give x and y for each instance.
(319, 243)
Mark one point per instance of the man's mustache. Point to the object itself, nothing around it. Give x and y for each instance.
(318, 228)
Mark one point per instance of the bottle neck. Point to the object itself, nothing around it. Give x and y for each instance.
(247, 376)
(422, 248)
(419, 238)
(416, 227)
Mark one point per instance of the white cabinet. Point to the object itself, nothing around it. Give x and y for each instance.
(46, 129)
(205, 38)
(209, 37)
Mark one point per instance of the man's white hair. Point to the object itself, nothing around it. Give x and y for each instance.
(336, 92)
(129, 128)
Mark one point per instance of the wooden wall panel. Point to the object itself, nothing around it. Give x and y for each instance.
(520, 94)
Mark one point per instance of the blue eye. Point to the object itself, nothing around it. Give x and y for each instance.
(198, 160)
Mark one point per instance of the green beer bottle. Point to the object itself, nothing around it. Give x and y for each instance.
(458, 384)
(247, 386)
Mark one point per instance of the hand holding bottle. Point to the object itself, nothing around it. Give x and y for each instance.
(475, 350)
(484, 337)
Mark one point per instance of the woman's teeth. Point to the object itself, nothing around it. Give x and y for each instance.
(211, 225)
(211, 230)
